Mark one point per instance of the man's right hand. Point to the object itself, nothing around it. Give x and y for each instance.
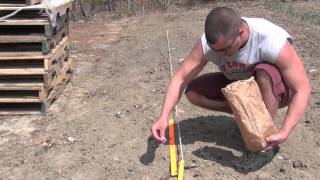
(158, 130)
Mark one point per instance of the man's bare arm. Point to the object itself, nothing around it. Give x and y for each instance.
(191, 67)
(293, 72)
(296, 78)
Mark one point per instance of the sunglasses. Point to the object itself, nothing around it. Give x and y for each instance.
(227, 48)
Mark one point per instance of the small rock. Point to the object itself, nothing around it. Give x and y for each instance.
(282, 170)
(118, 115)
(135, 105)
(191, 166)
(71, 139)
(44, 144)
(280, 157)
(307, 121)
(298, 164)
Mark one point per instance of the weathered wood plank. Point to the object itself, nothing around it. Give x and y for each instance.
(54, 95)
(21, 38)
(12, 5)
(25, 22)
(19, 100)
(22, 56)
(21, 84)
(61, 75)
(25, 111)
(22, 71)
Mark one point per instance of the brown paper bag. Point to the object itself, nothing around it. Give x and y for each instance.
(251, 115)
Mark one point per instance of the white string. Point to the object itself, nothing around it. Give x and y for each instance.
(176, 106)
(169, 52)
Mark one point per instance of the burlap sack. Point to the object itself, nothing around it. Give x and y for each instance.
(251, 115)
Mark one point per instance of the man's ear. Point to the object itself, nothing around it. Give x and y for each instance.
(241, 30)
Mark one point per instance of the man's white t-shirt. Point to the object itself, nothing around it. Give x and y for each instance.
(264, 44)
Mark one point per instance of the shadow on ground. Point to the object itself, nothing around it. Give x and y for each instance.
(221, 131)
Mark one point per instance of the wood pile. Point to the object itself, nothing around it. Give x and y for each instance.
(34, 57)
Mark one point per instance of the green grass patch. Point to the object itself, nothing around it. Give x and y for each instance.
(290, 10)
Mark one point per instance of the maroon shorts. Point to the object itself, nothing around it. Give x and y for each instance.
(209, 85)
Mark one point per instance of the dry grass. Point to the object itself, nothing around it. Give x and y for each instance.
(303, 10)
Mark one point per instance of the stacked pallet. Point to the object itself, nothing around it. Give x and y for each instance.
(34, 58)
(19, 2)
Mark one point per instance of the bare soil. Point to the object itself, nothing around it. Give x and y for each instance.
(99, 126)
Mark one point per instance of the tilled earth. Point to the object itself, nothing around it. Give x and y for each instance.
(99, 126)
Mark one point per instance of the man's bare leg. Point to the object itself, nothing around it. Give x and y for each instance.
(204, 102)
(265, 85)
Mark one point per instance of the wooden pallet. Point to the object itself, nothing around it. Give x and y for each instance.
(18, 3)
(39, 85)
(35, 83)
(33, 105)
(31, 90)
(36, 73)
(32, 55)
(31, 42)
(34, 64)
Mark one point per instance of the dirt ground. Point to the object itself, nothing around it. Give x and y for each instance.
(99, 126)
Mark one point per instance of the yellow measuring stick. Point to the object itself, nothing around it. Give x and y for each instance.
(173, 149)
(181, 169)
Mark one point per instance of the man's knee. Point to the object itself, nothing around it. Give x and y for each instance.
(190, 92)
(192, 96)
(265, 84)
(263, 80)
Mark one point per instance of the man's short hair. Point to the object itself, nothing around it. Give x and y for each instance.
(222, 21)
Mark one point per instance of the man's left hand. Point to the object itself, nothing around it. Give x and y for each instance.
(274, 140)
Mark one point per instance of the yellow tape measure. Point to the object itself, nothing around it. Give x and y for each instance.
(173, 148)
